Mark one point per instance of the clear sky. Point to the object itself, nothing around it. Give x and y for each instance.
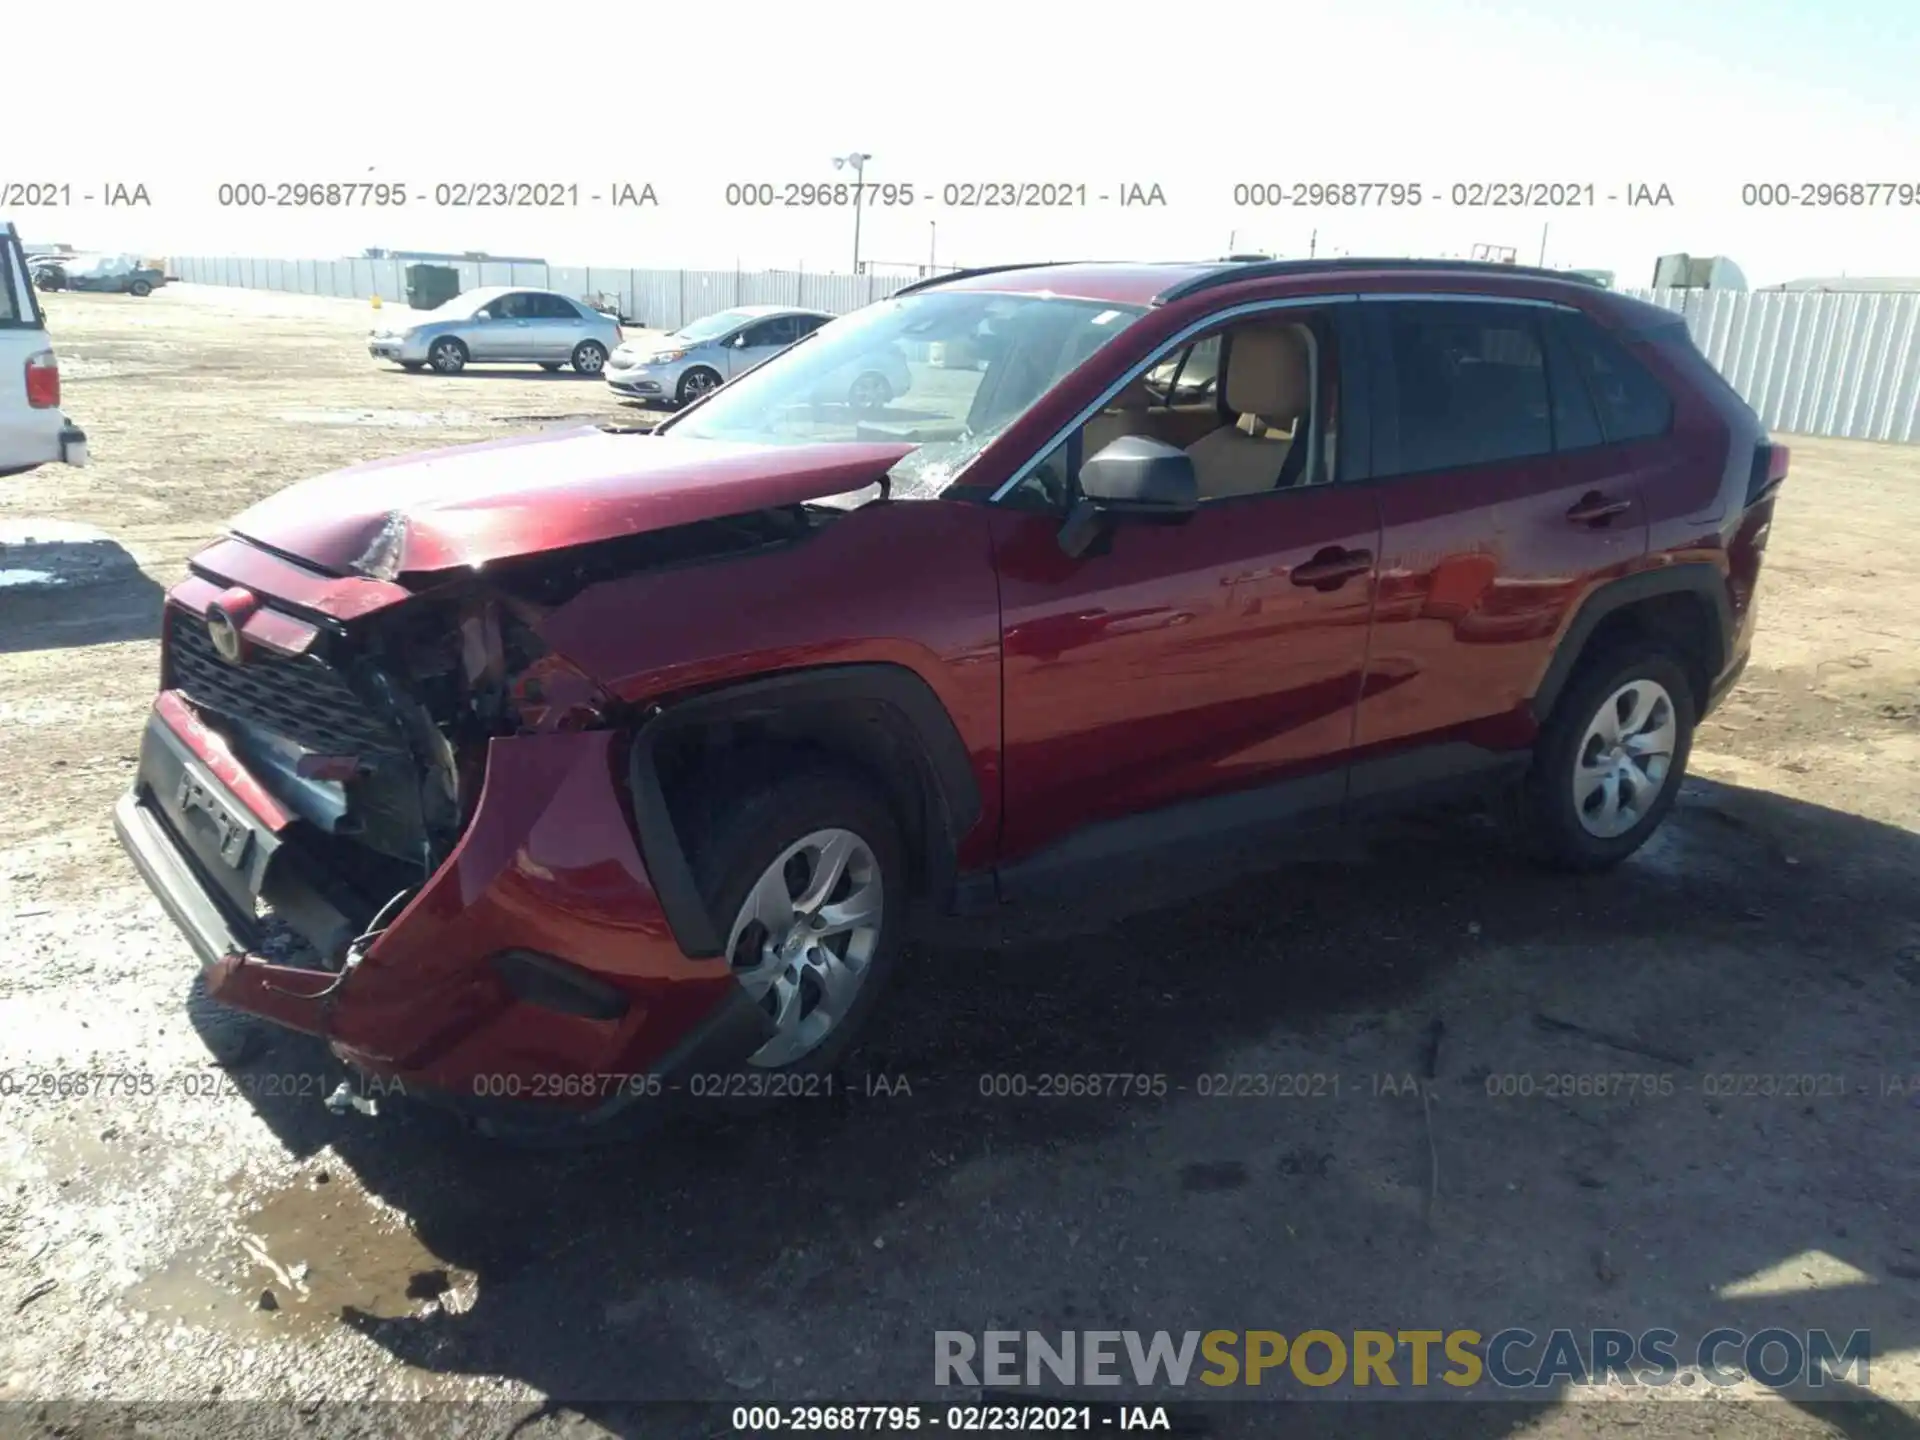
(1701, 97)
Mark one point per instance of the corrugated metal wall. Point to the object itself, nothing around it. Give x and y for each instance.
(660, 299)
(1811, 363)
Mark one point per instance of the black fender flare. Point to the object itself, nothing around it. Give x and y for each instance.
(948, 771)
(1694, 577)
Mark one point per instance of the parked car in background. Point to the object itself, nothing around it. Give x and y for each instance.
(696, 358)
(111, 274)
(592, 753)
(34, 431)
(502, 325)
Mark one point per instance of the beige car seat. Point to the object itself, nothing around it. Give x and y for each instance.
(1270, 385)
(1127, 415)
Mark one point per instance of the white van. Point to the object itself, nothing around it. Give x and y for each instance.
(33, 429)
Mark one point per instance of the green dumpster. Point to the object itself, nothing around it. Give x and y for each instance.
(429, 286)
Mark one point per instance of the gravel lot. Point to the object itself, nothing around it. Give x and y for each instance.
(1772, 930)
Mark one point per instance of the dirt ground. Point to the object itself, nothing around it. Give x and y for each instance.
(1771, 930)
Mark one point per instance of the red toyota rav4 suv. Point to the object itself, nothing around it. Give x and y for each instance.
(586, 761)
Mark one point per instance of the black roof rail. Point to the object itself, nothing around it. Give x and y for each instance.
(932, 280)
(1232, 273)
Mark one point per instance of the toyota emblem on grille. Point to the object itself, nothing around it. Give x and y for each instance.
(225, 635)
(225, 616)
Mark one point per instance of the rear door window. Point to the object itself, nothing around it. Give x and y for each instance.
(1576, 425)
(1465, 384)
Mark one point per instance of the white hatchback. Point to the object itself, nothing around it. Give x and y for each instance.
(33, 429)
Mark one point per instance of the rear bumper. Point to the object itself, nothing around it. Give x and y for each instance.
(547, 869)
(42, 437)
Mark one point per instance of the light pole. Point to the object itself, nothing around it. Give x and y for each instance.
(858, 161)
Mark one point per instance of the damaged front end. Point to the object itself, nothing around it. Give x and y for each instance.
(393, 817)
(370, 740)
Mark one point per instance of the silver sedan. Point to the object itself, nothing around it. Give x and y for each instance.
(681, 367)
(502, 324)
(678, 369)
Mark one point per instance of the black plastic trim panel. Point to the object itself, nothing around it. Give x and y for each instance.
(694, 928)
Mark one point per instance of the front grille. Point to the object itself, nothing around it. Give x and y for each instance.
(300, 697)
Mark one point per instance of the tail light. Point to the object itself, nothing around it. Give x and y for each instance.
(619, 334)
(43, 380)
(1770, 462)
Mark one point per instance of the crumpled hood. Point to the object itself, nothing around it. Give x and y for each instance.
(470, 505)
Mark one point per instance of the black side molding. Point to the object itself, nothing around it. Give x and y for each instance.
(950, 770)
(1241, 820)
(1694, 577)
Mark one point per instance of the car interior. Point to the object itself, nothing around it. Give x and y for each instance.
(1247, 404)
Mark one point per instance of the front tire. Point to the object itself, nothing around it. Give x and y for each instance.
(870, 393)
(447, 356)
(807, 869)
(1609, 763)
(695, 383)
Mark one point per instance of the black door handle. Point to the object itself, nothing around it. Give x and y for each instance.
(1593, 508)
(1333, 567)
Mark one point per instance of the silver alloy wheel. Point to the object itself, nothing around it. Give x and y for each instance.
(589, 359)
(1623, 762)
(870, 392)
(805, 937)
(698, 383)
(445, 356)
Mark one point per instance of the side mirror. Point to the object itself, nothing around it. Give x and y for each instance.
(1134, 477)
(739, 342)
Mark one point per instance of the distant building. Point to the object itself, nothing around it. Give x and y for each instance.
(1855, 284)
(1697, 272)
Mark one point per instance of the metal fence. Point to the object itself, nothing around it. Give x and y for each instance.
(1811, 363)
(656, 299)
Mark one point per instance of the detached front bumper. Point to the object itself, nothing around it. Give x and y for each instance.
(532, 984)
